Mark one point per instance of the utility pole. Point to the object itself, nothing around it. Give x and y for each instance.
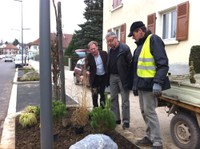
(46, 121)
(22, 44)
(60, 49)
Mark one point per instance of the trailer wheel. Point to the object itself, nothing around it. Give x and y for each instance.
(185, 131)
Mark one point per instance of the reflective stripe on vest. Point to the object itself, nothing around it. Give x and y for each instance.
(146, 66)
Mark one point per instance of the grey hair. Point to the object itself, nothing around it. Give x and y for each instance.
(111, 34)
(92, 42)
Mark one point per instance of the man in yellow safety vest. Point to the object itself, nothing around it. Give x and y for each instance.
(150, 68)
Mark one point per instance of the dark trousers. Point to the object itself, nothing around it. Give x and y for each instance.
(98, 88)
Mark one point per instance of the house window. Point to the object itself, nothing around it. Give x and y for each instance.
(174, 23)
(116, 3)
(35, 47)
(121, 32)
(117, 31)
(169, 25)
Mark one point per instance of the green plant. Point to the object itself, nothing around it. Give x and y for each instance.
(27, 69)
(29, 75)
(27, 119)
(103, 119)
(58, 109)
(32, 109)
(195, 57)
(80, 117)
(192, 72)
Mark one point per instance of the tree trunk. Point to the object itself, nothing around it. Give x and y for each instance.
(60, 49)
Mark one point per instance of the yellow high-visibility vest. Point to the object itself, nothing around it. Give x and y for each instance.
(146, 65)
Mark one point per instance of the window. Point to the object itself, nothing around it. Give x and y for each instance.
(117, 31)
(117, 3)
(121, 32)
(35, 47)
(174, 22)
(169, 25)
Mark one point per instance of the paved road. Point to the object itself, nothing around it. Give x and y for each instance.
(7, 71)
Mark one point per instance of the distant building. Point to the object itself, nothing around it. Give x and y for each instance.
(34, 46)
(8, 49)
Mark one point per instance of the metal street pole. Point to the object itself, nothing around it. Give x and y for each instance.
(46, 135)
(22, 46)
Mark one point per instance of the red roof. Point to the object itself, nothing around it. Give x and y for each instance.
(66, 40)
(9, 46)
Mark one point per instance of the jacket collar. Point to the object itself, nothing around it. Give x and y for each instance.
(142, 40)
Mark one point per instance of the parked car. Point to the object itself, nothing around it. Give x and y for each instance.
(81, 52)
(8, 58)
(18, 60)
(2, 56)
(78, 73)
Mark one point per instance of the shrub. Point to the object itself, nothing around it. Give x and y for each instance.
(32, 109)
(30, 76)
(27, 119)
(192, 72)
(27, 69)
(58, 109)
(80, 117)
(103, 119)
(195, 57)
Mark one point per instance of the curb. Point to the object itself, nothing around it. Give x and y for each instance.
(26, 82)
(8, 133)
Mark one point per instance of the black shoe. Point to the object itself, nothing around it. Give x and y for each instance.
(157, 147)
(125, 125)
(144, 142)
(118, 122)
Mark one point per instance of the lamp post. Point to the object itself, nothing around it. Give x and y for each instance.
(22, 48)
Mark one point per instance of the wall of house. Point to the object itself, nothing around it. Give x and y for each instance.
(132, 10)
(33, 51)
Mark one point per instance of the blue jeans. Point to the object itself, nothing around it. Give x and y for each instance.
(148, 104)
(116, 88)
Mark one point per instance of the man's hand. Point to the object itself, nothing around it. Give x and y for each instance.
(157, 90)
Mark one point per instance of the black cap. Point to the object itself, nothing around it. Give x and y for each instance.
(134, 26)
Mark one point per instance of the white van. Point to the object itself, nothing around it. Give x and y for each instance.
(18, 60)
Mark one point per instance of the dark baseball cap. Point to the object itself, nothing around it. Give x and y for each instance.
(134, 26)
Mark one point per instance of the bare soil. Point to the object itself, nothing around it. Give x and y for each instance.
(29, 138)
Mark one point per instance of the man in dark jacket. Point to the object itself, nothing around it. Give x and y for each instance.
(96, 62)
(150, 68)
(119, 60)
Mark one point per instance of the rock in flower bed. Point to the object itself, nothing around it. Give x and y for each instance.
(28, 74)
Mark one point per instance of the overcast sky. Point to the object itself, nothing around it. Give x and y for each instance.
(10, 18)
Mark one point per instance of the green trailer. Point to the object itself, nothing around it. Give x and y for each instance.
(183, 100)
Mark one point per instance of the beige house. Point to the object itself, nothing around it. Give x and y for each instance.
(175, 21)
(8, 49)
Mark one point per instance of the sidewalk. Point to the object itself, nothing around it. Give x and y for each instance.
(137, 126)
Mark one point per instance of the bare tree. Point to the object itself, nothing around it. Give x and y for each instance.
(60, 76)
